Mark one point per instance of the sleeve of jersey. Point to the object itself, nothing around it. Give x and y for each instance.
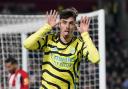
(37, 39)
(89, 48)
(25, 80)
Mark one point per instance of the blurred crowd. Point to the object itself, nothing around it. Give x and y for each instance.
(116, 48)
(116, 61)
(116, 51)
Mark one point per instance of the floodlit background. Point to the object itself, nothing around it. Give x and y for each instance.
(116, 31)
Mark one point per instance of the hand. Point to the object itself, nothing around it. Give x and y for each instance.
(84, 24)
(52, 17)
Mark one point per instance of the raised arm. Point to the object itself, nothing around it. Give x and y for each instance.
(38, 39)
(89, 48)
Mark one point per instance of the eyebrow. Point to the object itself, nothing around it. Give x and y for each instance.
(67, 20)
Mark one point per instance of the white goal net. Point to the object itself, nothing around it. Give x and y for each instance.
(15, 28)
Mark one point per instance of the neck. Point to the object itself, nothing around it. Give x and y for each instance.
(16, 69)
(66, 39)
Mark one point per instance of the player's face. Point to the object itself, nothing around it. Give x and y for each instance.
(10, 67)
(67, 26)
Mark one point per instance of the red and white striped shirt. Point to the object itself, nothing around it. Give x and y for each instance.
(19, 80)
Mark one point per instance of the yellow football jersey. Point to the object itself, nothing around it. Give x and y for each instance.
(60, 63)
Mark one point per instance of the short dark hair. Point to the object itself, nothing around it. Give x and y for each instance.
(69, 12)
(11, 60)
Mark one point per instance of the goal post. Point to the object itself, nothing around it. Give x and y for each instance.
(101, 44)
(15, 28)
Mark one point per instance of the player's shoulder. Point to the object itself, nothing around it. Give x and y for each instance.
(50, 34)
(79, 39)
(23, 73)
(53, 36)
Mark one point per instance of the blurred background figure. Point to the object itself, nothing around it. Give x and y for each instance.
(18, 78)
